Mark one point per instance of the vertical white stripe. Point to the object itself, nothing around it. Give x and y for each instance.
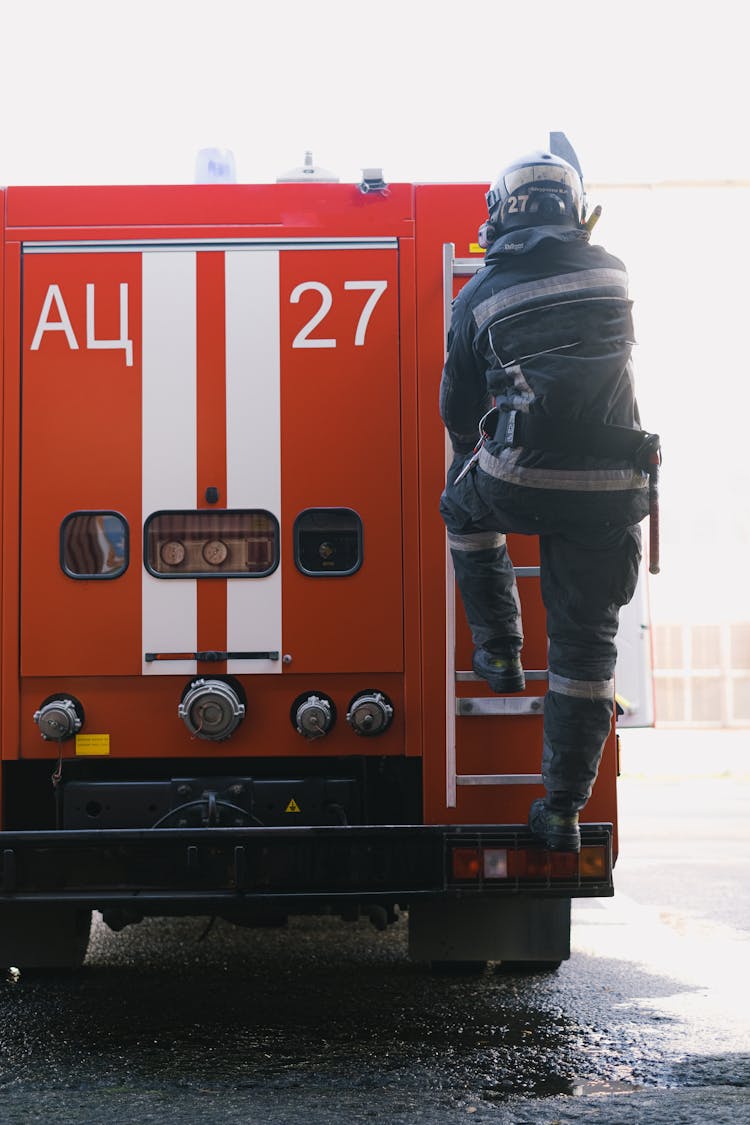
(169, 451)
(253, 440)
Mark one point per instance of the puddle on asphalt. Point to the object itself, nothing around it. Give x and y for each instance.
(591, 1089)
(298, 1018)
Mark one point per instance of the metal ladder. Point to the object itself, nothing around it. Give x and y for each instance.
(479, 705)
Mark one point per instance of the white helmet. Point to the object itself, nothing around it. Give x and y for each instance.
(537, 190)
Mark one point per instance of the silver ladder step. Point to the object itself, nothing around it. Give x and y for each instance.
(498, 779)
(500, 705)
(472, 677)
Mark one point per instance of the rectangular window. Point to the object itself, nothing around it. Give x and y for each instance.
(211, 544)
(739, 640)
(94, 545)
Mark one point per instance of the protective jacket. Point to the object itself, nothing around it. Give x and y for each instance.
(544, 329)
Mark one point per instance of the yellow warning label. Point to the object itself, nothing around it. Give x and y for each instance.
(292, 806)
(92, 744)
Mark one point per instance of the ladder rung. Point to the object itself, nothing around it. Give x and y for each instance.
(499, 779)
(501, 705)
(466, 267)
(472, 677)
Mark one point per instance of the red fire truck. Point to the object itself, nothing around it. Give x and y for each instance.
(234, 679)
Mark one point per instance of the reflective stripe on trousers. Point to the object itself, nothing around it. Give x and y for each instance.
(487, 584)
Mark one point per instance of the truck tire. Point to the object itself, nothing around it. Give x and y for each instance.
(43, 936)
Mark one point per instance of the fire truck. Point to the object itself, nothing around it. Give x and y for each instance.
(235, 680)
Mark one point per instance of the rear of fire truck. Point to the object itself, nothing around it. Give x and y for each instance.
(233, 674)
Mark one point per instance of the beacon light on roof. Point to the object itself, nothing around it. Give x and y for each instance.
(215, 166)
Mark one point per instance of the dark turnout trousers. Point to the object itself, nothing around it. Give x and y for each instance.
(588, 571)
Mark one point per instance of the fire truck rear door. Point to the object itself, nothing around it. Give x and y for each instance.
(166, 384)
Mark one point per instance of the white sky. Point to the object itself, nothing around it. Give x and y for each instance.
(92, 92)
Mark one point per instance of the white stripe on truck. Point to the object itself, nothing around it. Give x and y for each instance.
(169, 610)
(253, 440)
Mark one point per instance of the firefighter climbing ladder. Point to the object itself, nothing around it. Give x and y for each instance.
(474, 707)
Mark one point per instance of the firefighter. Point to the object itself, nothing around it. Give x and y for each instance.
(537, 397)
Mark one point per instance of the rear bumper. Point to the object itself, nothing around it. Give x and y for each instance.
(210, 869)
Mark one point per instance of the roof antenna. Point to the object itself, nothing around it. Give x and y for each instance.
(307, 172)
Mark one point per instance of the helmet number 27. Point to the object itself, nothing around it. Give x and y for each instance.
(516, 204)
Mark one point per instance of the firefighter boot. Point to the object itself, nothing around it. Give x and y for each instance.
(559, 831)
(504, 674)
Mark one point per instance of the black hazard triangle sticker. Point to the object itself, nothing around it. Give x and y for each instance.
(292, 806)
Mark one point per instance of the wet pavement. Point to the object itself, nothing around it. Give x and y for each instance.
(326, 1021)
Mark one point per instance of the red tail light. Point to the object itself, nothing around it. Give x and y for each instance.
(467, 863)
(493, 865)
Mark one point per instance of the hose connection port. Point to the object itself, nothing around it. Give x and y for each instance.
(212, 708)
(313, 714)
(370, 713)
(59, 717)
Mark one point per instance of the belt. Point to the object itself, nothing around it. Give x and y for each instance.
(574, 438)
(586, 439)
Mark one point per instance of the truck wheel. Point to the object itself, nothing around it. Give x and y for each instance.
(42, 936)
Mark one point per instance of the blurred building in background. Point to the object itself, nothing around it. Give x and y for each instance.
(686, 246)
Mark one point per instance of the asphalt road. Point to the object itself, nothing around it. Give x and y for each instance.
(326, 1021)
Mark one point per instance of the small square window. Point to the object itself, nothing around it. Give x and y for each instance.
(94, 545)
(328, 542)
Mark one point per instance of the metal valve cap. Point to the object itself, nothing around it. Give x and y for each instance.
(59, 718)
(370, 713)
(212, 709)
(313, 715)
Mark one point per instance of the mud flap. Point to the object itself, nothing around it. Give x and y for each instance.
(490, 929)
(43, 936)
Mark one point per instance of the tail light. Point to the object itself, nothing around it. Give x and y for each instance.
(488, 865)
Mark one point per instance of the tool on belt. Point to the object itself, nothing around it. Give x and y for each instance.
(579, 439)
